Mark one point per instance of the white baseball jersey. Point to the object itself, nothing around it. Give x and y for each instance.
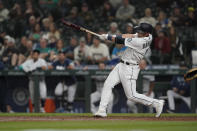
(137, 48)
(30, 65)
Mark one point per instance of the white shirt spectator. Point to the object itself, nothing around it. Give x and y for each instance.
(148, 18)
(125, 11)
(99, 52)
(4, 13)
(30, 65)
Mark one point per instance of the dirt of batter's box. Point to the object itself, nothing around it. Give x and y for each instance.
(88, 118)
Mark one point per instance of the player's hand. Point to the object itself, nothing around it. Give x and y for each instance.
(103, 37)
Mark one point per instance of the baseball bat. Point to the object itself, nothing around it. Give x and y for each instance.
(77, 27)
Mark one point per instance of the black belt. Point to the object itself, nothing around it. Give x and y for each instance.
(127, 63)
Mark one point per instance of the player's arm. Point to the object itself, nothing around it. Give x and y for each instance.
(128, 35)
(118, 39)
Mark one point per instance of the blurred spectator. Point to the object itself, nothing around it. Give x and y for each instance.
(191, 19)
(53, 32)
(180, 90)
(99, 51)
(46, 23)
(82, 52)
(162, 45)
(107, 12)
(129, 28)
(70, 48)
(48, 4)
(163, 20)
(30, 25)
(96, 96)
(65, 6)
(36, 34)
(115, 3)
(32, 10)
(117, 51)
(23, 51)
(148, 18)
(4, 13)
(125, 11)
(177, 17)
(147, 86)
(74, 17)
(89, 38)
(44, 50)
(10, 54)
(114, 29)
(86, 14)
(31, 65)
(176, 46)
(67, 84)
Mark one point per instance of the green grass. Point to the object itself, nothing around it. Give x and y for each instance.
(104, 125)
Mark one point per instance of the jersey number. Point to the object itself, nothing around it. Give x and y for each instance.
(146, 45)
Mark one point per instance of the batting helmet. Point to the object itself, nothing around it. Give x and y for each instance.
(144, 28)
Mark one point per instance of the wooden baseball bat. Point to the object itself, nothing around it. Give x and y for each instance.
(77, 27)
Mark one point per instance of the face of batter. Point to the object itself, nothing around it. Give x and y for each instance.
(142, 34)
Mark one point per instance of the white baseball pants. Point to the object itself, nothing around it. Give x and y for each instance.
(42, 88)
(127, 75)
(133, 107)
(60, 88)
(172, 95)
(95, 97)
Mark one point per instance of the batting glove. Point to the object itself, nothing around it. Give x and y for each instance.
(103, 37)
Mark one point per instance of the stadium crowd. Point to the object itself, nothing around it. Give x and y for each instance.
(27, 25)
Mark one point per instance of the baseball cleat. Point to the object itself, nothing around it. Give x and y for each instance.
(100, 113)
(159, 108)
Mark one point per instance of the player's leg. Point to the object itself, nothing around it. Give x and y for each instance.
(171, 96)
(128, 76)
(150, 108)
(31, 90)
(59, 89)
(112, 80)
(43, 94)
(187, 100)
(132, 106)
(110, 105)
(94, 97)
(71, 96)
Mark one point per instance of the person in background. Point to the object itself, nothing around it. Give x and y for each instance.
(148, 18)
(82, 54)
(4, 12)
(180, 89)
(191, 19)
(148, 85)
(70, 48)
(10, 53)
(129, 28)
(126, 11)
(32, 64)
(99, 51)
(162, 45)
(163, 20)
(66, 85)
(177, 17)
(44, 50)
(96, 96)
(117, 51)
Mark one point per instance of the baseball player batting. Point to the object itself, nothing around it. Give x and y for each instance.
(128, 69)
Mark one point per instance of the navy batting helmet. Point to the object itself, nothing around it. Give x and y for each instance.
(144, 28)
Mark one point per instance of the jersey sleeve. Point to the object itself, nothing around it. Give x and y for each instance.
(133, 42)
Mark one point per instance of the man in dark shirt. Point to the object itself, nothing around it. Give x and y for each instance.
(180, 90)
(66, 83)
